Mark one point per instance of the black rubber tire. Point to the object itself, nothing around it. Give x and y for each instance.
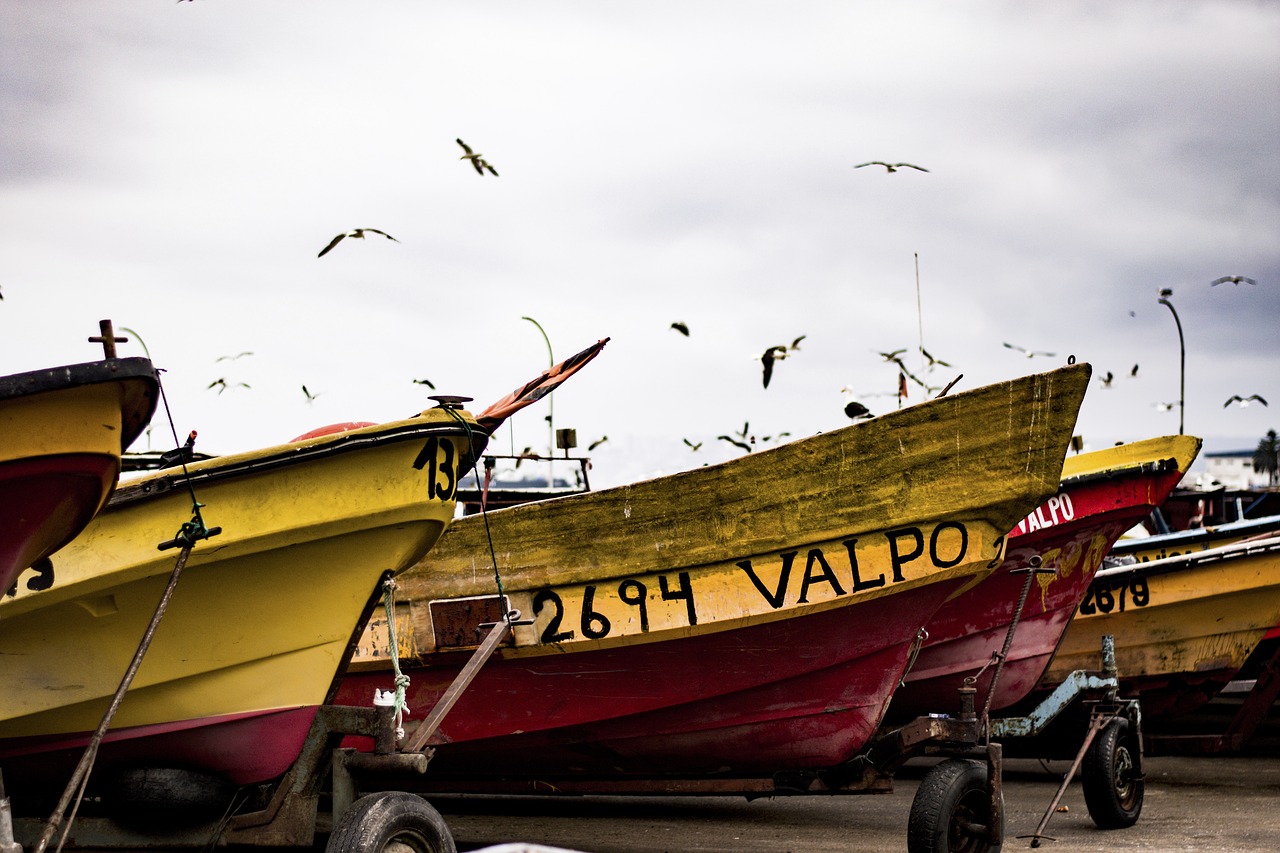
(391, 822)
(952, 799)
(1113, 790)
(168, 797)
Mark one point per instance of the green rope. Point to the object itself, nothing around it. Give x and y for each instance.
(401, 681)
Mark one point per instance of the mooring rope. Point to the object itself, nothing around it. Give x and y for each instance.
(401, 681)
(484, 514)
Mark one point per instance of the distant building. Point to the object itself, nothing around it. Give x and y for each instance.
(1234, 470)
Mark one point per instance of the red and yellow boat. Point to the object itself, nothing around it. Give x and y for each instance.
(1102, 494)
(1183, 625)
(753, 616)
(62, 431)
(260, 621)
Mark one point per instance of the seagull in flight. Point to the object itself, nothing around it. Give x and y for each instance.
(691, 445)
(357, 234)
(772, 354)
(477, 160)
(680, 327)
(1107, 380)
(735, 442)
(1234, 279)
(1029, 353)
(1243, 401)
(892, 167)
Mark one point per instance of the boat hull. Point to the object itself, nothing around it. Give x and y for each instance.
(1183, 626)
(755, 615)
(730, 702)
(1102, 495)
(63, 432)
(263, 613)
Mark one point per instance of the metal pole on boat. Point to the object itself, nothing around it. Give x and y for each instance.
(551, 409)
(1182, 362)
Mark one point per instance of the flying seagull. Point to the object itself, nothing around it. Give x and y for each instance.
(1234, 279)
(735, 442)
(772, 354)
(426, 382)
(599, 441)
(1164, 407)
(1243, 401)
(681, 328)
(233, 357)
(1106, 380)
(310, 397)
(892, 167)
(1029, 353)
(692, 446)
(357, 234)
(222, 385)
(932, 360)
(795, 344)
(477, 160)
(1134, 373)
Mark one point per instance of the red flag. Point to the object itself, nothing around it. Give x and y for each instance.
(546, 382)
(902, 385)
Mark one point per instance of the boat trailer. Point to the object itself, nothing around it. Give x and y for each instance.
(345, 792)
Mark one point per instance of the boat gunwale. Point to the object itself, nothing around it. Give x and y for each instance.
(136, 409)
(1210, 556)
(217, 468)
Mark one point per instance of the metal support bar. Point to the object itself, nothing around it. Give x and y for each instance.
(995, 787)
(1098, 720)
(428, 727)
(81, 774)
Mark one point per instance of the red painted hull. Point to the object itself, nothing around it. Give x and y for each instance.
(968, 630)
(46, 501)
(215, 745)
(800, 693)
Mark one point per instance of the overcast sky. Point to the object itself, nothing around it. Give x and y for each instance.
(177, 167)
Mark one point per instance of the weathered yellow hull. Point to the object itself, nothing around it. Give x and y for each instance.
(769, 599)
(264, 611)
(1182, 626)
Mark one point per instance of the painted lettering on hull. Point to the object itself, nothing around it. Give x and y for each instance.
(751, 586)
(1049, 514)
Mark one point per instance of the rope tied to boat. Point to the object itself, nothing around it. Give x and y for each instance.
(484, 514)
(401, 681)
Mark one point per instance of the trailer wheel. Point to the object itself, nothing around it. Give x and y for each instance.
(951, 812)
(1113, 786)
(391, 822)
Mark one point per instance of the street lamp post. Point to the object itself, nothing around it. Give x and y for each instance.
(1182, 362)
(551, 411)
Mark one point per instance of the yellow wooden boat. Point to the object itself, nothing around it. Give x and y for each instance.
(1183, 626)
(262, 616)
(749, 616)
(62, 431)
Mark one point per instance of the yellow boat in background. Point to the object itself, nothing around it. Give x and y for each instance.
(1183, 626)
(62, 431)
(260, 621)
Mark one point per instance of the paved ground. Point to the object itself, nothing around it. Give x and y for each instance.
(1221, 804)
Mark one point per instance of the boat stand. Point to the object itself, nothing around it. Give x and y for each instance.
(290, 812)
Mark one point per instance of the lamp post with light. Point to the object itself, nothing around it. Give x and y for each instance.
(1165, 293)
(551, 411)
